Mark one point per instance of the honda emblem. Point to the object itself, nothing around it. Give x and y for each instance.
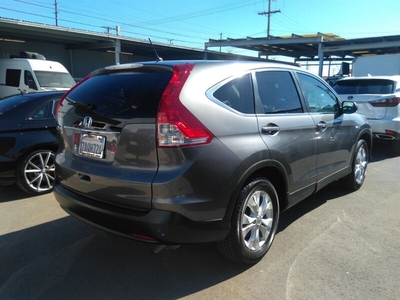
(87, 122)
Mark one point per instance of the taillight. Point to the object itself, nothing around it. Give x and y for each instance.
(176, 125)
(387, 102)
(67, 93)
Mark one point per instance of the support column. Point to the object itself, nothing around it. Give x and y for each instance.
(71, 62)
(117, 51)
(321, 59)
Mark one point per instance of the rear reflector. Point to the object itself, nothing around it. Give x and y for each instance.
(390, 132)
(142, 237)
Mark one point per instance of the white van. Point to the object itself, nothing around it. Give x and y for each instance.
(21, 75)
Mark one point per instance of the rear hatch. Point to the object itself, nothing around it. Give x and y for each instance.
(371, 95)
(108, 129)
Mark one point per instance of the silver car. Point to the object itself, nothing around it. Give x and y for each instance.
(378, 99)
(178, 152)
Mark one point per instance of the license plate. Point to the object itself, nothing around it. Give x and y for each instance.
(92, 145)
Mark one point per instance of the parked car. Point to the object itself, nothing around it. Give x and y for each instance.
(176, 152)
(33, 74)
(28, 141)
(378, 99)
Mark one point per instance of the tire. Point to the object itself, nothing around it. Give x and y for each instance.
(356, 178)
(35, 172)
(254, 223)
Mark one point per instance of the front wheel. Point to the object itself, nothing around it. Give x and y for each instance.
(356, 178)
(254, 223)
(35, 172)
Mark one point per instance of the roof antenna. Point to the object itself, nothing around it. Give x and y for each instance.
(155, 51)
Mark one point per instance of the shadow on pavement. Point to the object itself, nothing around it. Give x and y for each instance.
(66, 259)
(383, 149)
(11, 193)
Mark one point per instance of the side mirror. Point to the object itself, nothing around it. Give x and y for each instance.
(349, 107)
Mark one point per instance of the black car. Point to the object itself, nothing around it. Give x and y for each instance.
(28, 141)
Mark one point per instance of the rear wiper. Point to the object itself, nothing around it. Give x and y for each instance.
(80, 104)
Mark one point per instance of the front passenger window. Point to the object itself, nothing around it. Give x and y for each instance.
(318, 96)
(28, 78)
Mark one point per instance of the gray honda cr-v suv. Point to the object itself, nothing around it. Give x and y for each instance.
(177, 152)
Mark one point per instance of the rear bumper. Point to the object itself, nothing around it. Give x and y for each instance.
(156, 226)
(385, 129)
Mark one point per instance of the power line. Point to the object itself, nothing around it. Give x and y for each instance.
(176, 33)
(268, 14)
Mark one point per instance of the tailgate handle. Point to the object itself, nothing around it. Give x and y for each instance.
(84, 177)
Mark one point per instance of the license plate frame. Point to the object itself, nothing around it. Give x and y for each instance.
(92, 145)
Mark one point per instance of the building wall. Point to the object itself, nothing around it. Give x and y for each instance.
(50, 51)
(78, 62)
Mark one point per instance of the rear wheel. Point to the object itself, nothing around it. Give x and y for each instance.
(356, 178)
(254, 223)
(35, 173)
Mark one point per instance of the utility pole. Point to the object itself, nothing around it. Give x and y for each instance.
(220, 37)
(117, 45)
(117, 30)
(269, 13)
(108, 28)
(56, 11)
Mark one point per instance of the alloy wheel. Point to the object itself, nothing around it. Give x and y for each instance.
(360, 165)
(257, 219)
(39, 171)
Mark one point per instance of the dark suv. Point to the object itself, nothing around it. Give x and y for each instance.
(177, 152)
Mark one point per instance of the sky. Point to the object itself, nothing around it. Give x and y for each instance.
(192, 23)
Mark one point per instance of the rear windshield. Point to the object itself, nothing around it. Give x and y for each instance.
(364, 86)
(123, 95)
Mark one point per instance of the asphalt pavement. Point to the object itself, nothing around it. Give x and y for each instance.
(334, 245)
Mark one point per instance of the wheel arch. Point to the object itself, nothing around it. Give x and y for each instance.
(45, 146)
(366, 135)
(270, 170)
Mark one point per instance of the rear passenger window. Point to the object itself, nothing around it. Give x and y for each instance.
(277, 92)
(41, 113)
(238, 94)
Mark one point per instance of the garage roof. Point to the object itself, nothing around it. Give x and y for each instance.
(11, 29)
(308, 46)
(300, 47)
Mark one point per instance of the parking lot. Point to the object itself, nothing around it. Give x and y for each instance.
(334, 245)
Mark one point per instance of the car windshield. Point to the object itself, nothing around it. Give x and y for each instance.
(364, 86)
(54, 79)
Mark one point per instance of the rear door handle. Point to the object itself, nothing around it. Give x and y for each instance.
(270, 129)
